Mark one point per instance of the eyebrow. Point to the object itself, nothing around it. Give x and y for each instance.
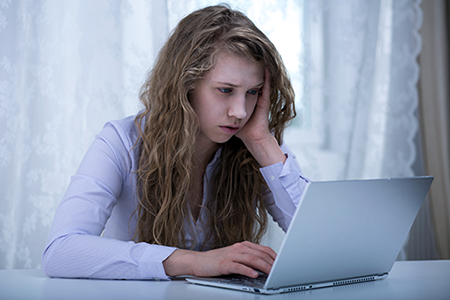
(238, 86)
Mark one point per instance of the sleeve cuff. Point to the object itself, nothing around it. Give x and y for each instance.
(286, 177)
(151, 262)
(274, 174)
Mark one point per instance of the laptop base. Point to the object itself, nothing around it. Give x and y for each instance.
(230, 282)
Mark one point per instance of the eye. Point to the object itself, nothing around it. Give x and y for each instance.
(254, 92)
(225, 90)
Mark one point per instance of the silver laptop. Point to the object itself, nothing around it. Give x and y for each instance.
(342, 232)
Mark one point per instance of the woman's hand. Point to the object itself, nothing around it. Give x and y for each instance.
(256, 134)
(241, 258)
(257, 127)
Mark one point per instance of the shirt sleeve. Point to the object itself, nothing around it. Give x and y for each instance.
(286, 186)
(74, 247)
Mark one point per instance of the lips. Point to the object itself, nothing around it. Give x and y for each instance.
(230, 129)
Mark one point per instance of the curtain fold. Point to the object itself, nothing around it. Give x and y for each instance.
(360, 88)
(435, 115)
(364, 85)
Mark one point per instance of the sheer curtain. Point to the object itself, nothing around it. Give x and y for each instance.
(362, 89)
(66, 67)
(360, 97)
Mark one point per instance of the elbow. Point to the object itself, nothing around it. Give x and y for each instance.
(46, 261)
(53, 259)
(58, 259)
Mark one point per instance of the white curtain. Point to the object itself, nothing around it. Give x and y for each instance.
(66, 67)
(360, 91)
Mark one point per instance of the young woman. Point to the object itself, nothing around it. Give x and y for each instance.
(183, 187)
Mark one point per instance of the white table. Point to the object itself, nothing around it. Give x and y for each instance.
(407, 280)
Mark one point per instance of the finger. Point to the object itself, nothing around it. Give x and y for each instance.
(257, 263)
(242, 269)
(250, 256)
(265, 91)
(244, 264)
(260, 259)
(260, 250)
(266, 86)
(267, 250)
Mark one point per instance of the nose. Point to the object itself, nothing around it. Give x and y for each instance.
(237, 107)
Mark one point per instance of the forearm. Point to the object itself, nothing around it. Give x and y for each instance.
(87, 256)
(266, 151)
(286, 185)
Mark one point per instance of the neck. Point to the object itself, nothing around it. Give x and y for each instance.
(204, 154)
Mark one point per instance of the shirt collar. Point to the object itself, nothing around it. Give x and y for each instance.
(215, 158)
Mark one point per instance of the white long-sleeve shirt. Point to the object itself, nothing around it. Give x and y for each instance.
(101, 197)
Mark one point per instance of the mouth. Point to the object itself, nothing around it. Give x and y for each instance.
(230, 129)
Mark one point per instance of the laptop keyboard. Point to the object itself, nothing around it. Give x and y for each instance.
(244, 280)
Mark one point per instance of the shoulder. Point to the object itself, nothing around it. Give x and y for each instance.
(124, 131)
(120, 136)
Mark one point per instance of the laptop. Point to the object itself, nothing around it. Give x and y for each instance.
(342, 232)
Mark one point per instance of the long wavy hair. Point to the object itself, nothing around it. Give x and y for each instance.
(169, 127)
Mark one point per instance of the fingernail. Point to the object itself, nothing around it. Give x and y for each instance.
(254, 273)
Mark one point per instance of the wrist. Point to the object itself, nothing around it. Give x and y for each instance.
(266, 151)
(180, 262)
(256, 139)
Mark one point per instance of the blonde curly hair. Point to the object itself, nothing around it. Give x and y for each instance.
(169, 127)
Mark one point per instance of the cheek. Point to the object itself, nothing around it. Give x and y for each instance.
(198, 103)
(251, 105)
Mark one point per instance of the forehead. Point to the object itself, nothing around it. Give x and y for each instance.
(231, 66)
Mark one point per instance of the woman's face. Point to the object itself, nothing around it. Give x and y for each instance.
(225, 98)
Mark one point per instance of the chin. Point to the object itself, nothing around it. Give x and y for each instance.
(223, 140)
